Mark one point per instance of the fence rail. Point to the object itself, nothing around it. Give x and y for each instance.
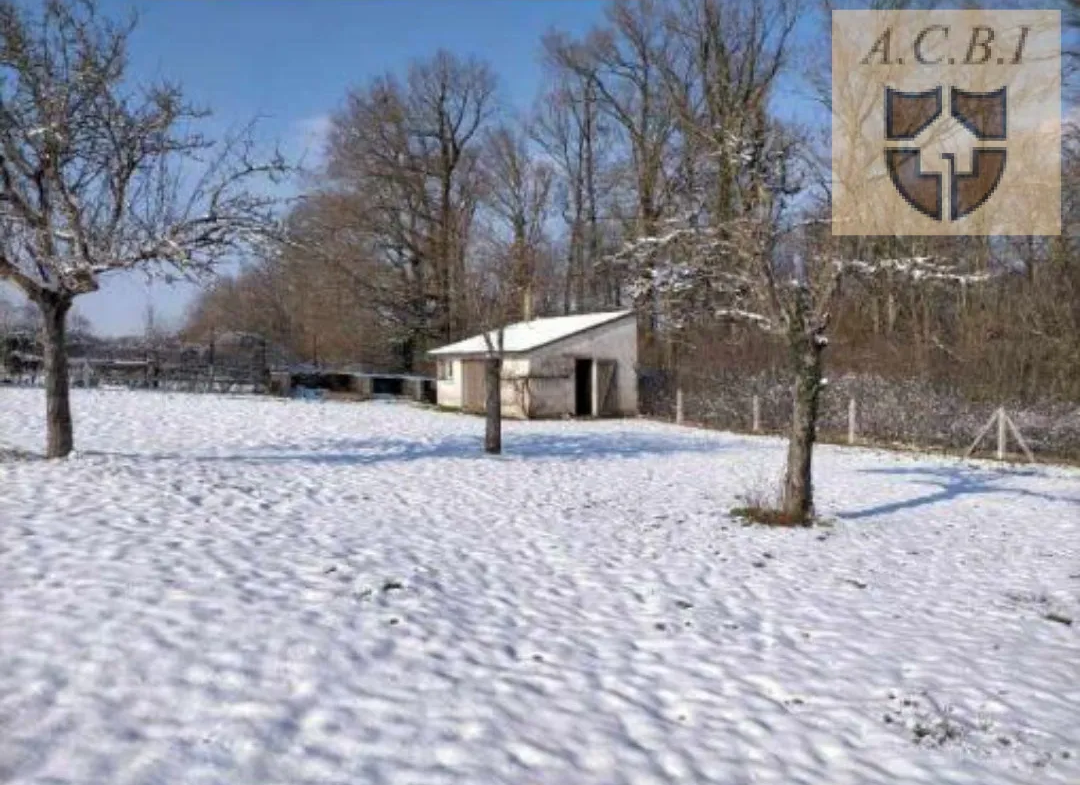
(231, 362)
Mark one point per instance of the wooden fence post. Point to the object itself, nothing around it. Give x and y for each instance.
(1001, 434)
(679, 406)
(851, 420)
(756, 414)
(1004, 425)
(979, 436)
(1017, 435)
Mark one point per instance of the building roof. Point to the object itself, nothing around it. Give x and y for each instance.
(530, 335)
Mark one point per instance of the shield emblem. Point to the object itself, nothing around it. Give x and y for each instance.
(907, 115)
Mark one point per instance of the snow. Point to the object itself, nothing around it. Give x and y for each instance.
(526, 336)
(738, 313)
(258, 591)
(917, 267)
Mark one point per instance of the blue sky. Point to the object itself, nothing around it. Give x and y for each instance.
(291, 62)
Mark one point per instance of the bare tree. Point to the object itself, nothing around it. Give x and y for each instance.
(517, 189)
(330, 285)
(575, 137)
(493, 365)
(623, 62)
(735, 249)
(96, 177)
(450, 101)
(402, 196)
(776, 274)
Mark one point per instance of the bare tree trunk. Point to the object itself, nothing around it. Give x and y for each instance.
(407, 354)
(60, 439)
(493, 407)
(798, 499)
(571, 270)
(592, 257)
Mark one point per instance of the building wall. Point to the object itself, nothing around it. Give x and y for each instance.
(616, 342)
(542, 384)
(551, 386)
(514, 392)
(448, 391)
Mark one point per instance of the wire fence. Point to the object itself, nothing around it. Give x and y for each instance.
(860, 408)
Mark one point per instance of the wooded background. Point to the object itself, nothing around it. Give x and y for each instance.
(437, 211)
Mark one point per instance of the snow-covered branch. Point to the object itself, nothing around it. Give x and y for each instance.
(917, 268)
(735, 314)
(109, 178)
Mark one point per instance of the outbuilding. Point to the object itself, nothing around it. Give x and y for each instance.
(583, 365)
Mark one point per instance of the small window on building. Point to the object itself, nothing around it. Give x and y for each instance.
(446, 370)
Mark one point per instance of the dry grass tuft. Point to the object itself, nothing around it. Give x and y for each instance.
(762, 504)
(769, 516)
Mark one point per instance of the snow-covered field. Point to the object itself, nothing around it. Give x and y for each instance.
(251, 592)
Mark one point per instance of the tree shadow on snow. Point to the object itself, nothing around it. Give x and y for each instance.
(366, 452)
(953, 483)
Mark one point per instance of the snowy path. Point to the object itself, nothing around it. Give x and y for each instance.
(245, 591)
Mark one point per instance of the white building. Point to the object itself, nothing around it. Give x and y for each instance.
(583, 365)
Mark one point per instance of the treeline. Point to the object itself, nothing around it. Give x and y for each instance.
(439, 211)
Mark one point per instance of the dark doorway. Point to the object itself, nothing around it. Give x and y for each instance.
(583, 388)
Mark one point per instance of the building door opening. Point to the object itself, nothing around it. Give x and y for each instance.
(583, 388)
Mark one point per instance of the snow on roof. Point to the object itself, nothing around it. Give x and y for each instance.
(526, 336)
